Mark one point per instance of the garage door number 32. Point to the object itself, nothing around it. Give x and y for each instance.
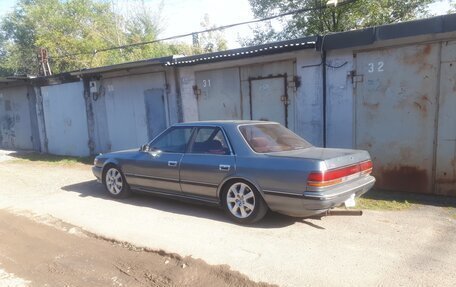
(376, 68)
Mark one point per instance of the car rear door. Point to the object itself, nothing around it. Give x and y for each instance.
(208, 161)
(158, 168)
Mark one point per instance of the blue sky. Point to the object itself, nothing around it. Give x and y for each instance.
(184, 16)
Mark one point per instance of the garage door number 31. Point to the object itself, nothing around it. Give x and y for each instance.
(376, 68)
(206, 83)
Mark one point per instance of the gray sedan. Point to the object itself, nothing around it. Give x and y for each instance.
(247, 167)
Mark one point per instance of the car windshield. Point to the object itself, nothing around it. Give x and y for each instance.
(264, 138)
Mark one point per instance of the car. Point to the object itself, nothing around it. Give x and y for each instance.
(246, 167)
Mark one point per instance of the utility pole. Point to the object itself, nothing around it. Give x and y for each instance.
(45, 68)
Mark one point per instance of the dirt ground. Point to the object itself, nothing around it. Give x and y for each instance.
(414, 247)
(58, 254)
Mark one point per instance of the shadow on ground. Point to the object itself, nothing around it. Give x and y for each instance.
(190, 208)
(415, 198)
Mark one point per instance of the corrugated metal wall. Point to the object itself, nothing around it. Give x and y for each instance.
(15, 122)
(65, 119)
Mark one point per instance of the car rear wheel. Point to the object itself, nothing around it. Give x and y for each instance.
(243, 202)
(115, 183)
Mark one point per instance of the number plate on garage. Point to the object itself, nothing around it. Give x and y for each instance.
(351, 201)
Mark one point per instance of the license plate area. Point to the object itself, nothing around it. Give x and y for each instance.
(350, 202)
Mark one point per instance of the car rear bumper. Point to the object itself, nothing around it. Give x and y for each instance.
(313, 203)
(96, 170)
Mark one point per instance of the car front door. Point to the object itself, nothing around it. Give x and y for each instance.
(208, 161)
(157, 168)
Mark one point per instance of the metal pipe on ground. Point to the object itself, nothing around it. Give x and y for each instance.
(343, 212)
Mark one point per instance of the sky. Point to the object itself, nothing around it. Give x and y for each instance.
(185, 16)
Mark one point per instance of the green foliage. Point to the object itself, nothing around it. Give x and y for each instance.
(356, 15)
(212, 41)
(73, 32)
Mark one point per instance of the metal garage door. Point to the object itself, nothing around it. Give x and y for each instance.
(66, 119)
(268, 91)
(396, 105)
(129, 123)
(269, 100)
(445, 173)
(15, 124)
(219, 94)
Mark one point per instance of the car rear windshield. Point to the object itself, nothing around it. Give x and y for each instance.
(264, 138)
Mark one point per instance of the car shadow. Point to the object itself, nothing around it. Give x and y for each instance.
(191, 208)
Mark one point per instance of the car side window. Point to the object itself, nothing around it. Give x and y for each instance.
(175, 140)
(210, 141)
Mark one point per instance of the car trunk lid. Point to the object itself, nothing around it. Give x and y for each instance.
(331, 157)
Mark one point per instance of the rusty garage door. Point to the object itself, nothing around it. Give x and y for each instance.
(219, 94)
(445, 176)
(396, 102)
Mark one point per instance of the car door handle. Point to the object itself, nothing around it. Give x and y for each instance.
(224, 167)
(172, 163)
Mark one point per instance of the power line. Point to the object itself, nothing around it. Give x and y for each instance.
(298, 11)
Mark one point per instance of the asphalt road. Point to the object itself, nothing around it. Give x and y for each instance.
(406, 248)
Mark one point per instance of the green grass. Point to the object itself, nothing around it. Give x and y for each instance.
(452, 211)
(389, 200)
(51, 159)
(379, 204)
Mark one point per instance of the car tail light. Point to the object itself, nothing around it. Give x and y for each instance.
(366, 167)
(335, 176)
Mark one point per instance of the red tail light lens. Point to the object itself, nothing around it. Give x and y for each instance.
(366, 167)
(335, 176)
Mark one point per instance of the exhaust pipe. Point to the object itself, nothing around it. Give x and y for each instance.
(343, 212)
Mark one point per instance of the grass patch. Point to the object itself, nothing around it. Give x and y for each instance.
(51, 159)
(380, 204)
(390, 200)
(452, 211)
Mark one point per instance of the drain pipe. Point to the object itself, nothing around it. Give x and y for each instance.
(323, 66)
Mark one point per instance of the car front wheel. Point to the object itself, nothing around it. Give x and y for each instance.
(115, 183)
(243, 203)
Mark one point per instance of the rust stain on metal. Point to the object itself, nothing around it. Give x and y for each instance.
(371, 106)
(420, 57)
(427, 49)
(403, 178)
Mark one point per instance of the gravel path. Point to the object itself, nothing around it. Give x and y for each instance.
(406, 248)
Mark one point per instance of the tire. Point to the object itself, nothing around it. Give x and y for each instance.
(115, 183)
(243, 203)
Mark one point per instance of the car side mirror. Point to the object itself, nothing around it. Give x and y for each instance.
(144, 148)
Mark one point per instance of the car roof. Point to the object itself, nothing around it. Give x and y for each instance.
(223, 123)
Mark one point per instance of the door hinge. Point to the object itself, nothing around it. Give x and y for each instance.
(285, 100)
(196, 91)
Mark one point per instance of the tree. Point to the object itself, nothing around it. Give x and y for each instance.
(209, 42)
(74, 32)
(352, 15)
